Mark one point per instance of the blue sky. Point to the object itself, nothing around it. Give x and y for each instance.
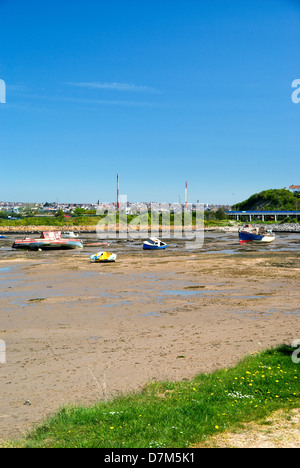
(159, 91)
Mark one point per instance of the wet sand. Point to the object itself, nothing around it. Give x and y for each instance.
(78, 332)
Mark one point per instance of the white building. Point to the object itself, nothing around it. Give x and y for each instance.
(295, 188)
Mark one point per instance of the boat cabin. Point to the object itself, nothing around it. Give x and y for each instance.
(51, 235)
(155, 242)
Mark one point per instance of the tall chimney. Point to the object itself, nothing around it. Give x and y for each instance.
(118, 193)
(186, 196)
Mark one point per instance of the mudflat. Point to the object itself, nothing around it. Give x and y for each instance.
(76, 332)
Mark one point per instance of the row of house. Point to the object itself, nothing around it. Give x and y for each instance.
(45, 208)
(68, 208)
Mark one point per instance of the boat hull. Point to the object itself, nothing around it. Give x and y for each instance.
(153, 247)
(46, 245)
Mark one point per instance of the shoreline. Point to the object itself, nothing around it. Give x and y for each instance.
(285, 228)
(95, 230)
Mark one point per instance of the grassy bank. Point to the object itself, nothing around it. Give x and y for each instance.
(50, 221)
(179, 414)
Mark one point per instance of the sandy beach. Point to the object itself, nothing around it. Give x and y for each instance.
(78, 332)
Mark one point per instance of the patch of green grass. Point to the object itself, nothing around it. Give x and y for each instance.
(178, 414)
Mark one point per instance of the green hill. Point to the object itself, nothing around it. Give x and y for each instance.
(273, 199)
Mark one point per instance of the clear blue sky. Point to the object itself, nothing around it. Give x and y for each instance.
(160, 91)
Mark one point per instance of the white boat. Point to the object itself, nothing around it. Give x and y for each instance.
(154, 244)
(70, 235)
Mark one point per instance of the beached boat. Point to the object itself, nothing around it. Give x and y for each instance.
(48, 241)
(69, 235)
(2, 237)
(252, 234)
(154, 244)
(104, 257)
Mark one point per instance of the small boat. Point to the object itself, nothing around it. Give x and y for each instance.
(104, 257)
(154, 244)
(249, 234)
(2, 237)
(48, 241)
(69, 235)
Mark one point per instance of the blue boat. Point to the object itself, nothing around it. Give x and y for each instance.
(248, 234)
(2, 237)
(154, 244)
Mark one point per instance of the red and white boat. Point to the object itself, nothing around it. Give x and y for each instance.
(51, 240)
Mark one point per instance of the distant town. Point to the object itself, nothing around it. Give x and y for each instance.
(51, 208)
(15, 209)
